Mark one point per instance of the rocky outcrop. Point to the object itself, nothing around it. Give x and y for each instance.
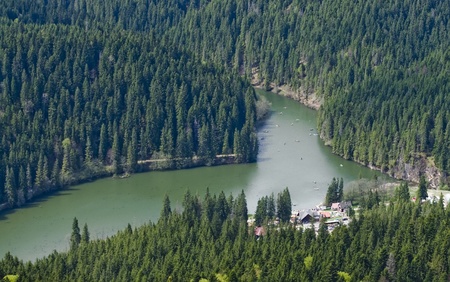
(306, 97)
(410, 171)
(419, 165)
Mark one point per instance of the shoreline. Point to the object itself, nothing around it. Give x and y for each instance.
(400, 171)
(142, 166)
(306, 97)
(310, 100)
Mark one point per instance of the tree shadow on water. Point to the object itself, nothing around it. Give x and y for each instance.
(37, 202)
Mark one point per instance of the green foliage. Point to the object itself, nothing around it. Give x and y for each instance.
(342, 57)
(153, 79)
(284, 205)
(85, 236)
(261, 211)
(308, 261)
(380, 244)
(75, 237)
(335, 192)
(221, 277)
(402, 192)
(265, 210)
(240, 209)
(422, 189)
(11, 278)
(345, 276)
(166, 211)
(64, 86)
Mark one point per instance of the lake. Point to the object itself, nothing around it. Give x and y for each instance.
(291, 155)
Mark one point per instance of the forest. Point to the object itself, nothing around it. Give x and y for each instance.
(93, 88)
(77, 104)
(89, 89)
(210, 240)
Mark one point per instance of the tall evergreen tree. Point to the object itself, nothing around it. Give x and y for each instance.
(334, 192)
(240, 209)
(422, 189)
(75, 237)
(166, 210)
(261, 211)
(271, 208)
(284, 205)
(402, 192)
(10, 186)
(85, 236)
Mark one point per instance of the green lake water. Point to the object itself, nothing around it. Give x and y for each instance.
(291, 155)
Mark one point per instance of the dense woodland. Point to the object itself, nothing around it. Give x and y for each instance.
(77, 104)
(122, 81)
(211, 241)
(90, 88)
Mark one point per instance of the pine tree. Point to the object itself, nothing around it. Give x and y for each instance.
(10, 188)
(261, 211)
(102, 143)
(271, 208)
(66, 164)
(340, 194)
(333, 192)
(240, 210)
(22, 186)
(422, 189)
(116, 153)
(88, 153)
(166, 210)
(85, 235)
(75, 237)
(402, 192)
(29, 187)
(284, 205)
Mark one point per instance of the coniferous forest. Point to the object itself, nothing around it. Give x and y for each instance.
(95, 88)
(211, 241)
(78, 104)
(90, 89)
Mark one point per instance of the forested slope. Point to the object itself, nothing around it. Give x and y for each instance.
(77, 104)
(380, 67)
(210, 240)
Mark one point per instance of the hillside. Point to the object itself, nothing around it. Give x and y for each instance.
(380, 68)
(210, 241)
(78, 104)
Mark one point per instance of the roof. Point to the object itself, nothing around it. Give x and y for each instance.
(325, 214)
(332, 221)
(306, 214)
(335, 206)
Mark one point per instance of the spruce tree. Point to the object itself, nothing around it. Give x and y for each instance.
(166, 210)
(333, 192)
(85, 235)
(284, 205)
(402, 192)
(261, 211)
(75, 238)
(271, 208)
(240, 209)
(422, 189)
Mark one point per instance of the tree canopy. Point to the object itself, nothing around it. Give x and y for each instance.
(77, 104)
(93, 88)
(385, 242)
